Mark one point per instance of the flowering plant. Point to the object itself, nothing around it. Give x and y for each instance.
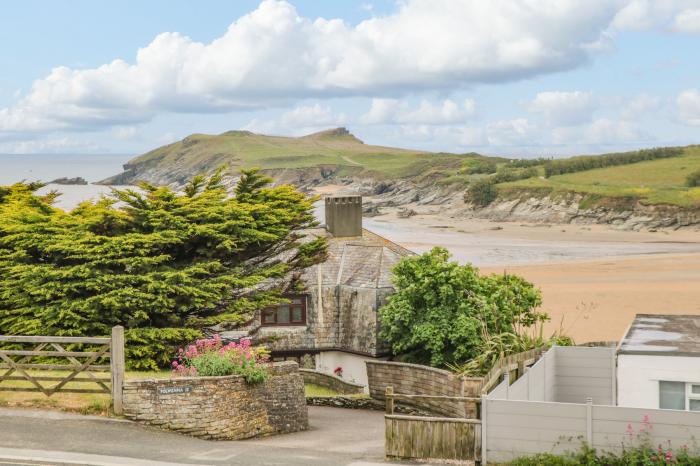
(211, 357)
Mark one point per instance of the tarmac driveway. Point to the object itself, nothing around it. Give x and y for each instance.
(337, 437)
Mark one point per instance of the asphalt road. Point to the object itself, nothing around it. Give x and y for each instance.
(337, 437)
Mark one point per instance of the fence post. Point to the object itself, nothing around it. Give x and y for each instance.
(116, 361)
(589, 421)
(484, 433)
(389, 400)
(506, 379)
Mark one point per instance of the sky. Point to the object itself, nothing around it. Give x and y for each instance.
(522, 78)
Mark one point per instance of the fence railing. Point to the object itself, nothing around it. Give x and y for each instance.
(427, 437)
(515, 365)
(86, 366)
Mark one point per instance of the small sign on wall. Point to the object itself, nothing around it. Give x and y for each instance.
(174, 390)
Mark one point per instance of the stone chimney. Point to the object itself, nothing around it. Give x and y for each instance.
(344, 215)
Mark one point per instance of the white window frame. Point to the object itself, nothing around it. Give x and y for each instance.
(689, 395)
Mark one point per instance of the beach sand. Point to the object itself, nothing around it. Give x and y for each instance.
(593, 278)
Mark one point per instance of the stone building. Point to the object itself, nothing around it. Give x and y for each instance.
(333, 323)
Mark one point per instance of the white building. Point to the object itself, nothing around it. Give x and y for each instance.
(658, 363)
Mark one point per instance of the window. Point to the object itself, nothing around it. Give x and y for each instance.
(679, 395)
(290, 313)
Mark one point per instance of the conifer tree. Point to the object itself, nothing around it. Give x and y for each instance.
(161, 263)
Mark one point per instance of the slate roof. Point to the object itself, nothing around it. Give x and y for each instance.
(363, 262)
(663, 335)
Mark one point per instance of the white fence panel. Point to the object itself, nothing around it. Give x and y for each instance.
(583, 372)
(521, 428)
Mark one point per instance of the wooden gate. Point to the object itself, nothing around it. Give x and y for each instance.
(424, 437)
(87, 366)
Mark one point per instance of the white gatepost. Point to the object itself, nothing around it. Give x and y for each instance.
(484, 436)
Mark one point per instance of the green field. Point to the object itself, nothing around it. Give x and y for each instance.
(653, 182)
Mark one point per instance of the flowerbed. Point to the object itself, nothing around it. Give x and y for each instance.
(211, 357)
(637, 449)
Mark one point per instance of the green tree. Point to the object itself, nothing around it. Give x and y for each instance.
(442, 312)
(161, 263)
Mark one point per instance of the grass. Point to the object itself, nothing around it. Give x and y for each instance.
(317, 390)
(83, 403)
(653, 182)
(90, 403)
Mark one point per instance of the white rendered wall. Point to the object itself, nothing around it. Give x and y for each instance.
(638, 377)
(354, 367)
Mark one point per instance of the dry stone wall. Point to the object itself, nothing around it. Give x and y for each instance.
(221, 408)
(415, 379)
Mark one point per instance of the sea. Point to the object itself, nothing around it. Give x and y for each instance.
(47, 167)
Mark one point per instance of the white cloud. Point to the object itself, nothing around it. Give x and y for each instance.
(273, 56)
(688, 21)
(640, 106)
(299, 121)
(311, 116)
(54, 144)
(688, 103)
(392, 111)
(672, 15)
(602, 131)
(564, 108)
(518, 131)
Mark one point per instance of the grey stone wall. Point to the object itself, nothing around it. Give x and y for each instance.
(332, 382)
(221, 408)
(415, 379)
(284, 398)
(347, 320)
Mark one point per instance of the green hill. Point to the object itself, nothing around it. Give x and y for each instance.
(652, 182)
(652, 176)
(336, 148)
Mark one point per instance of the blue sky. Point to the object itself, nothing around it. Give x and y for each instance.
(551, 77)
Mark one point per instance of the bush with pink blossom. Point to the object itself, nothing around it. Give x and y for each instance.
(212, 357)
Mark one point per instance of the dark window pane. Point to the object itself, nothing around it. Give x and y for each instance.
(283, 314)
(672, 395)
(268, 316)
(694, 405)
(296, 314)
(695, 389)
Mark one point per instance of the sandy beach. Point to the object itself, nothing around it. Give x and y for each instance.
(593, 278)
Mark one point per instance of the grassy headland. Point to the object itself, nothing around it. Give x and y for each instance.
(338, 155)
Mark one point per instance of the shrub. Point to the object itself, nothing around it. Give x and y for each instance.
(693, 179)
(503, 344)
(637, 449)
(589, 162)
(148, 349)
(482, 192)
(442, 311)
(211, 357)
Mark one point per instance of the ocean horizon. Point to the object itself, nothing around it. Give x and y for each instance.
(48, 167)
